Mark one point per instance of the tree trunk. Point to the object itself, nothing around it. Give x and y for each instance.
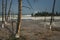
(52, 16)
(19, 18)
(2, 13)
(9, 10)
(5, 10)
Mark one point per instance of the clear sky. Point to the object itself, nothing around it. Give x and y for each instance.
(40, 5)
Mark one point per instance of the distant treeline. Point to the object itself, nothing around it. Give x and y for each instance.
(45, 14)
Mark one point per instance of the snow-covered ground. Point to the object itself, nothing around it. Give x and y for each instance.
(40, 20)
(32, 18)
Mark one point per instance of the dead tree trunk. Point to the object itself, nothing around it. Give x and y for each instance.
(19, 18)
(2, 13)
(9, 10)
(5, 10)
(52, 16)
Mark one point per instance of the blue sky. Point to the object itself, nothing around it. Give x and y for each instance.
(40, 5)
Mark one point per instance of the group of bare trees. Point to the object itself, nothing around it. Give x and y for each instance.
(4, 12)
(19, 14)
(52, 16)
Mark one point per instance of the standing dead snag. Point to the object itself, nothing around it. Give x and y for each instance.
(5, 11)
(19, 18)
(9, 10)
(52, 17)
(3, 14)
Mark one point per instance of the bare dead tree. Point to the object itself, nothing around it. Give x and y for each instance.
(5, 9)
(9, 10)
(19, 18)
(52, 17)
(2, 13)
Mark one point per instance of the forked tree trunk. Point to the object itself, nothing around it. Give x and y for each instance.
(52, 16)
(2, 13)
(19, 18)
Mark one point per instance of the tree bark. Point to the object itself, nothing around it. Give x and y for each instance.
(5, 10)
(9, 10)
(52, 16)
(2, 13)
(19, 18)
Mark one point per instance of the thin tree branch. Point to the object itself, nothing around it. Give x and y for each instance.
(26, 7)
(29, 3)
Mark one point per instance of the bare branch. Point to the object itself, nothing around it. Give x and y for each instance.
(26, 7)
(29, 3)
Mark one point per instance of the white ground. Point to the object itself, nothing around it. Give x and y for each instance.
(55, 23)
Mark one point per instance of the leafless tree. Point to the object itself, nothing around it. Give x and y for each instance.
(9, 10)
(5, 9)
(19, 18)
(3, 14)
(52, 17)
